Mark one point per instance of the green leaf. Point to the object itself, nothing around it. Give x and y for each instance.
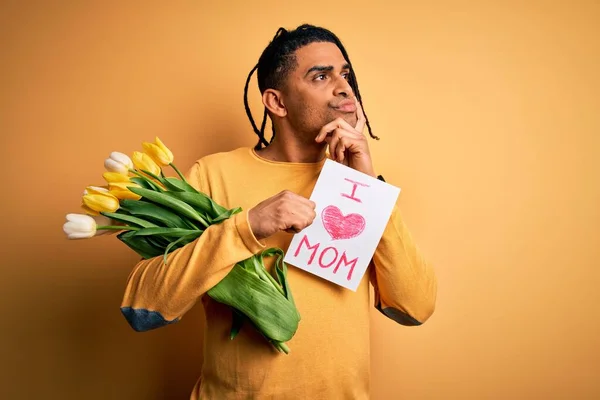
(175, 244)
(281, 272)
(129, 219)
(172, 183)
(142, 182)
(172, 186)
(148, 182)
(155, 213)
(217, 209)
(158, 178)
(205, 205)
(159, 242)
(182, 186)
(258, 266)
(273, 315)
(198, 200)
(167, 232)
(236, 324)
(139, 244)
(226, 215)
(170, 202)
(248, 265)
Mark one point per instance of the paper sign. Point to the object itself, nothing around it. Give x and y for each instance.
(353, 210)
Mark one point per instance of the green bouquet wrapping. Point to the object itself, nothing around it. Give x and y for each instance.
(156, 215)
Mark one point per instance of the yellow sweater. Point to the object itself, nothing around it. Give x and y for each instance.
(329, 356)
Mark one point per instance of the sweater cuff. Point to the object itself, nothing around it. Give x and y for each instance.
(245, 231)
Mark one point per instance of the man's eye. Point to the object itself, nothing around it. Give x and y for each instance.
(320, 77)
(346, 75)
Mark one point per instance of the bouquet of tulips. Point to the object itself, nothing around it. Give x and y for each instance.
(155, 214)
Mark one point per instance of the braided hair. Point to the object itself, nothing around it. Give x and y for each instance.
(278, 60)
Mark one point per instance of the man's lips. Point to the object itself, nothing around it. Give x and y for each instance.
(348, 106)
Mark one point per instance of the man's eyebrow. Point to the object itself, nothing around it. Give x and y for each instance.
(319, 68)
(323, 68)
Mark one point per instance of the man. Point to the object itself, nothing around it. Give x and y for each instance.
(310, 93)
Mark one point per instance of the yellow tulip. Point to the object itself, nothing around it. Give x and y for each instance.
(93, 190)
(101, 201)
(88, 210)
(111, 177)
(159, 152)
(120, 191)
(144, 162)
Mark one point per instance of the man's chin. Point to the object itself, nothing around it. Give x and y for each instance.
(350, 118)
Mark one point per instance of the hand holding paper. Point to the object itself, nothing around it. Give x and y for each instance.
(352, 211)
(286, 211)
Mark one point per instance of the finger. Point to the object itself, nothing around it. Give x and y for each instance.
(332, 141)
(361, 119)
(302, 221)
(342, 124)
(311, 204)
(325, 130)
(293, 199)
(337, 123)
(346, 149)
(301, 207)
(351, 146)
(341, 149)
(306, 208)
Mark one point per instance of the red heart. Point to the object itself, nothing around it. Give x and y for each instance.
(342, 227)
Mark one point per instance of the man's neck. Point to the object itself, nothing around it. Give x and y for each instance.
(293, 151)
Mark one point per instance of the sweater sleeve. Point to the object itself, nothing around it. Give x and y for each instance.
(405, 285)
(157, 294)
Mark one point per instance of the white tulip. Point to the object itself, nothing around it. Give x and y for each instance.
(118, 162)
(89, 189)
(81, 226)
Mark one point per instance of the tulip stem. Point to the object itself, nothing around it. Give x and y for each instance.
(178, 172)
(117, 227)
(281, 346)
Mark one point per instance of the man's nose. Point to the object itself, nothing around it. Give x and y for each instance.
(342, 87)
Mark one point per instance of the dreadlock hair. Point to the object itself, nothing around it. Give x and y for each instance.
(278, 60)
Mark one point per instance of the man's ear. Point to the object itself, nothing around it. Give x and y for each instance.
(273, 101)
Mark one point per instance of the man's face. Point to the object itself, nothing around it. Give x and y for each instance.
(317, 91)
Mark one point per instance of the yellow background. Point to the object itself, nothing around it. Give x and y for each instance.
(488, 114)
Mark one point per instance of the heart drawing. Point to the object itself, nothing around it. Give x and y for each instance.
(342, 227)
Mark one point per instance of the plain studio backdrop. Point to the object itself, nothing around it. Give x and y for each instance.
(488, 118)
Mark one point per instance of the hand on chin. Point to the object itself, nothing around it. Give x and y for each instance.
(346, 142)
